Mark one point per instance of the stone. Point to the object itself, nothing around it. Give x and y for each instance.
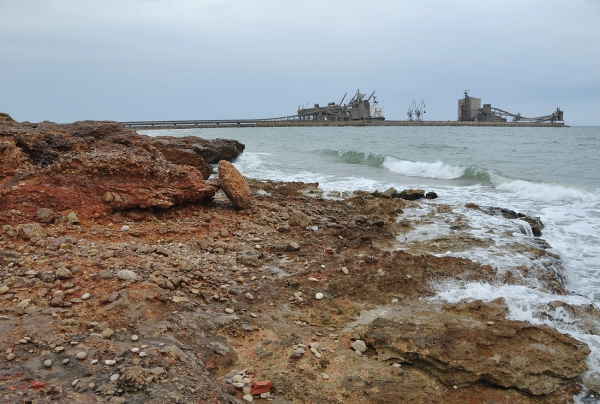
(234, 185)
(45, 215)
(81, 355)
(412, 194)
(299, 219)
(47, 363)
(85, 296)
(249, 258)
(10, 356)
(431, 195)
(28, 231)
(72, 218)
(142, 354)
(107, 333)
(229, 310)
(248, 397)
(324, 376)
(126, 275)
(110, 362)
(345, 270)
(359, 346)
(534, 359)
(292, 246)
(63, 273)
(134, 338)
(125, 228)
(319, 296)
(4, 289)
(115, 377)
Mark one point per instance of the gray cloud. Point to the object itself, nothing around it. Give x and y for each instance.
(159, 59)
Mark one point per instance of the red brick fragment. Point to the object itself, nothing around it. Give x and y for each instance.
(260, 387)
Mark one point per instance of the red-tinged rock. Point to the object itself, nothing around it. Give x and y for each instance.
(329, 250)
(234, 185)
(260, 387)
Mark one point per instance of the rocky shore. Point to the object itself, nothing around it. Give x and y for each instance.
(129, 275)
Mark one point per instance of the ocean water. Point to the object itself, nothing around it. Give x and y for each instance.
(553, 173)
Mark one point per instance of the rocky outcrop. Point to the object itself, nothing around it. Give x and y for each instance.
(535, 223)
(211, 150)
(472, 342)
(234, 185)
(99, 167)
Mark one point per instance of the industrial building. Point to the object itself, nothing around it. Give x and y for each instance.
(469, 109)
(358, 108)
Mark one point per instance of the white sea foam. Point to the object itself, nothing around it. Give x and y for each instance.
(437, 170)
(549, 192)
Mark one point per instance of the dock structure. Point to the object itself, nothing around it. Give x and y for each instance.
(282, 122)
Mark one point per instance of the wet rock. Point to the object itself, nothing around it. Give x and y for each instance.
(234, 185)
(511, 354)
(249, 258)
(431, 195)
(412, 194)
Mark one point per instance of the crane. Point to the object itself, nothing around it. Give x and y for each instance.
(411, 110)
(420, 110)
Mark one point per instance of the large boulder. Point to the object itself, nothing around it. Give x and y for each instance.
(234, 185)
(472, 342)
(97, 167)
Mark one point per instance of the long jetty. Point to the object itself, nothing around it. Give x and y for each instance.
(292, 121)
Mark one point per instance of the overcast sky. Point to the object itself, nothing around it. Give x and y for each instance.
(121, 60)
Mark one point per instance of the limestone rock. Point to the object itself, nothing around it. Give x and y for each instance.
(459, 351)
(299, 219)
(29, 230)
(412, 194)
(234, 185)
(45, 215)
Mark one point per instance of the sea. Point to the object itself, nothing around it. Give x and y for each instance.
(548, 172)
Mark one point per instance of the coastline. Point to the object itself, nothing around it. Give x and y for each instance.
(218, 289)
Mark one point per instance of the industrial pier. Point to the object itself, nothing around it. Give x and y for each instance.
(359, 111)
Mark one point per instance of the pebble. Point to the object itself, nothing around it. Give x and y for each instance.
(125, 228)
(319, 296)
(110, 362)
(134, 337)
(75, 382)
(142, 354)
(345, 270)
(10, 356)
(237, 378)
(490, 323)
(135, 350)
(65, 361)
(81, 355)
(248, 397)
(47, 363)
(115, 377)
(94, 361)
(253, 315)
(126, 275)
(325, 376)
(229, 310)
(359, 346)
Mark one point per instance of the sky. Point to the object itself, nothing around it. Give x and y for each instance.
(129, 60)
